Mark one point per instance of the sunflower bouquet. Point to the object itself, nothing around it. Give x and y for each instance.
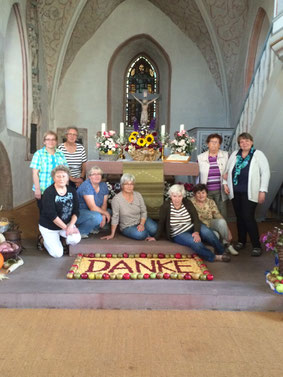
(143, 143)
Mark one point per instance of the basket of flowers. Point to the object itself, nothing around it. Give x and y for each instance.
(182, 143)
(273, 241)
(109, 146)
(144, 144)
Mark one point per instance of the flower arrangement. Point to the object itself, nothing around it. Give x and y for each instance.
(188, 189)
(108, 143)
(143, 136)
(273, 240)
(114, 189)
(183, 143)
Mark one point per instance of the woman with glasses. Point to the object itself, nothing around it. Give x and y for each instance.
(43, 162)
(75, 155)
(93, 195)
(129, 211)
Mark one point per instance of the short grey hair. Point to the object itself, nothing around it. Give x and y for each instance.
(60, 168)
(94, 168)
(177, 190)
(127, 177)
(71, 128)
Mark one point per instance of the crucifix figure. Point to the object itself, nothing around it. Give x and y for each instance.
(144, 104)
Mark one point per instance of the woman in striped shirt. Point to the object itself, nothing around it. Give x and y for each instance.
(179, 218)
(75, 156)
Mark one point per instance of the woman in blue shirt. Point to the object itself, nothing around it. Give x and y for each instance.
(93, 195)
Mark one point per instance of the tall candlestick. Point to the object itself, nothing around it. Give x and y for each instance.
(162, 130)
(121, 129)
(182, 127)
(103, 128)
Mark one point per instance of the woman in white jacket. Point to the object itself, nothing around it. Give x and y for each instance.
(212, 165)
(247, 183)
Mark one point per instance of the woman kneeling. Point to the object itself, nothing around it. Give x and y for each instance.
(129, 211)
(179, 219)
(60, 210)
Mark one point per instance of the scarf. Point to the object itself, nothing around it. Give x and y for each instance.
(241, 163)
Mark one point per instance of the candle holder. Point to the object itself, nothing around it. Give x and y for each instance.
(162, 152)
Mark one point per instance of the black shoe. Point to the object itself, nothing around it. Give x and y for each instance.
(256, 252)
(39, 243)
(225, 257)
(239, 246)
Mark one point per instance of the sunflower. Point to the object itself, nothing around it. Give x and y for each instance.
(149, 139)
(141, 142)
(134, 133)
(132, 139)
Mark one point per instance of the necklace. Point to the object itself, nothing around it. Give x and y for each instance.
(61, 191)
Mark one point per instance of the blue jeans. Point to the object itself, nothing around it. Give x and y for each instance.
(150, 228)
(206, 236)
(88, 221)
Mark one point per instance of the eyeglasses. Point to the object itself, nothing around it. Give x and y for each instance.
(129, 184)
(50, 140)
(94, 174)
(72, 134)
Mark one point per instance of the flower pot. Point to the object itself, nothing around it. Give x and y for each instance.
(108, 157)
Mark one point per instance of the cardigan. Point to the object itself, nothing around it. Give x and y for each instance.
(259, 175)
(222, 158)
(164, 218)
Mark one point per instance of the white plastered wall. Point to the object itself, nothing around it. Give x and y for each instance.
(82, 98)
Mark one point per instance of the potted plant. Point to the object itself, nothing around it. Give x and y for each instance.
(183, 143)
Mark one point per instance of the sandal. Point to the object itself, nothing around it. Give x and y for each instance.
(40, 241)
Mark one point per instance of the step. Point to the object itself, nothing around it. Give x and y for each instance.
(120, 244)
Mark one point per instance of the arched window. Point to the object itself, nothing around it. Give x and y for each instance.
(142, 81)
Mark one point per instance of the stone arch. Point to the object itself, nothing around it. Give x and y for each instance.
(142, 44)
(6, 186)
(257, 38)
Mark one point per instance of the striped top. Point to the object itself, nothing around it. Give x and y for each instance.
(214, 176)
(180, 220)
(74, 160)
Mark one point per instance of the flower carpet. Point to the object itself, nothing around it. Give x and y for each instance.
(139, 266)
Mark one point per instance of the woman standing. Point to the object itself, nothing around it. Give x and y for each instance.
(75, 155)
(246, 185)
(212, 165)
(59, 213)
(179, 219)
(93, 195)
(129, 211)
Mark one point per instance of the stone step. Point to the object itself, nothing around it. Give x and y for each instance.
(120, 244)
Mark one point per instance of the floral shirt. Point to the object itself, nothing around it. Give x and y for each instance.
(208, 211)
(45, 163)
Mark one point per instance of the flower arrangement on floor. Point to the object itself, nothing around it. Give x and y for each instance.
(188, 189)
(114, 189)
(273, 241)
(183, 143)
(108, 144)
(144, 144)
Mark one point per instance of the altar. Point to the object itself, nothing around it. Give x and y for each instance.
(149, 177)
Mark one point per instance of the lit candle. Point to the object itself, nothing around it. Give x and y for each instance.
(103, 128)
(182, 127)
(121, 129)
(162, 130)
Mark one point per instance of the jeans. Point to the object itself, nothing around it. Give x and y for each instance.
(88, 221)
(150, 228)
(221, 227)
(246, 223)
(206, 236)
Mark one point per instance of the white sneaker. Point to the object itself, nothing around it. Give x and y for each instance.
(84, 236)
(95, 231)
(231, 250)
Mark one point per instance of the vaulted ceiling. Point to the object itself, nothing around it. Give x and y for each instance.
(215, 26)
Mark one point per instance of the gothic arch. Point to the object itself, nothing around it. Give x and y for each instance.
(254, 45)
(142, 44)
(6, 187)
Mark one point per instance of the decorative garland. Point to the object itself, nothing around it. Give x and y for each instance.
(83, 266)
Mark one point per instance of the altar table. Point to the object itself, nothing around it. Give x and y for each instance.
(169, 168)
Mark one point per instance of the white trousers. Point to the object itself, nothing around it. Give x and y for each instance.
(52, 241)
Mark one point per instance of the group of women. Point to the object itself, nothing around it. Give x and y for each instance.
(73, 206)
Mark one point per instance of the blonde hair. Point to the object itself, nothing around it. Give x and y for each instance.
(52, 133)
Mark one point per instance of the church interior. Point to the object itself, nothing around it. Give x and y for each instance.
(214, 66)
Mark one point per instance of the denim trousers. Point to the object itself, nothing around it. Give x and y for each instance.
(207, 236)
(88, 221)
(150, 228)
